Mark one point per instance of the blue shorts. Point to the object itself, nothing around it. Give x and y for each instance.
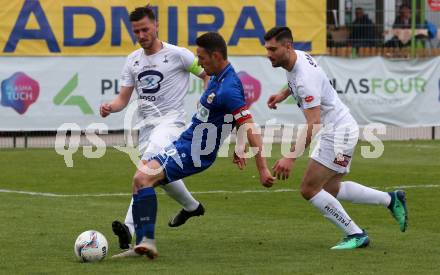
(178, 163)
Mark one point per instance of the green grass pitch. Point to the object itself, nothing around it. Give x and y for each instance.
(241, 232)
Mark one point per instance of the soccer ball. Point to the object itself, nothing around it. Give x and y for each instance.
(90, 246)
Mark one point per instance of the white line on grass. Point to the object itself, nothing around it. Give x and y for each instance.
(43, 194)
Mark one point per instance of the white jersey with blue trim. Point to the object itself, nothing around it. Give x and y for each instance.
(311, 87)
(161, 80)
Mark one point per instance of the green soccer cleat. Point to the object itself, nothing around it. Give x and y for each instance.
(360, 240)
(398, 208)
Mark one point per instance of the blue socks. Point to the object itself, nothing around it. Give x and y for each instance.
(144, 212)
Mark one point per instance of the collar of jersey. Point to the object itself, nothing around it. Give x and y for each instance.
(222, 74)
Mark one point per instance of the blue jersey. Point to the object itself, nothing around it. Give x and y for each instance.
(221, 106)
(223, 98)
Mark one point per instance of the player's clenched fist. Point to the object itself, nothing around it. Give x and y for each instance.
(266, 178)
(105, 109)
(273, 101)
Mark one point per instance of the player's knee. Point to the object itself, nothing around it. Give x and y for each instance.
(308, 189)
(306, 193)
(142, 180)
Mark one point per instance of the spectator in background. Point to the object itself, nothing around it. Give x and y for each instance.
(362, 32)
(403, 20)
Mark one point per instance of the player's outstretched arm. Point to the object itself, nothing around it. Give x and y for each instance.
(256, 144)
(117, 104)
(283, 166)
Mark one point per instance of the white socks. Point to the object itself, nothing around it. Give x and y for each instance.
(176, 190)
(330, 207)
(129, 219)
(356, 193)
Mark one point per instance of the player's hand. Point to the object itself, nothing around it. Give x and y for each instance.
(241, 162)
(266, 178)
(282, 167)
(273, 101)
(105, 109)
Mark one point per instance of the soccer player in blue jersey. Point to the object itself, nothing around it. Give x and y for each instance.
(221, 108)
(159, 74)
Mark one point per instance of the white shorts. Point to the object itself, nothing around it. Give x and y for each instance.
(153, 138)
(335, 145)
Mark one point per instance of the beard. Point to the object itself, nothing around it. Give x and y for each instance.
(275, 64)
(146, 45)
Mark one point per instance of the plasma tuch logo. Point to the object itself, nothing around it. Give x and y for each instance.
(251, 86)
(19, 91)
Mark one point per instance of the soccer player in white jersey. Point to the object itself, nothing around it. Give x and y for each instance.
(160, 75)
(322, 183)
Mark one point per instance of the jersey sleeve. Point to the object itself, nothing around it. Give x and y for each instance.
(308, 94)
(127, 78)
(233, 102)
(190, 62)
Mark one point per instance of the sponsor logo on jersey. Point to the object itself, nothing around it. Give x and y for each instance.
(210, 98)
(148, 97)
(19, 91)
(202, 113)
(309, 99)
(149, 67)
(342, 160)
(149, 81)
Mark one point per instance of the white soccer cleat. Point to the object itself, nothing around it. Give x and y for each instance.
(126, 254)
(147, 247)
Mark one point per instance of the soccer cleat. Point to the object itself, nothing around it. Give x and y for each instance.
(147, 247)
(398, 208)
(184, 215)
(123, 233)
(126, 254)
(359, 240)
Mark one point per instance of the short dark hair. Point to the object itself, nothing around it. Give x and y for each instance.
(403, 6)
(279, 33)
(213, 42)
(140, 12)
